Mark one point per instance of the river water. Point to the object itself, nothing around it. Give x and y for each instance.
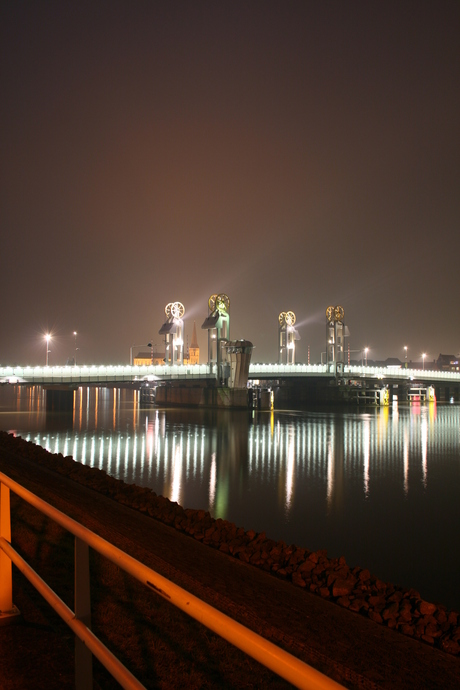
(380, 486)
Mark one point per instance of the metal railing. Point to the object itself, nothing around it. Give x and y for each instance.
(86, 643)
(113, 374)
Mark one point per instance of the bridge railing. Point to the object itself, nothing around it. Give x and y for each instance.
(281, 662)
(286, 369)
(402, 373)
(112, 374)
(102, 373)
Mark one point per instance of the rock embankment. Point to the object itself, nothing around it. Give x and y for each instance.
(331, 578)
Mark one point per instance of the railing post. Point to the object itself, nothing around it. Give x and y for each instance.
(8, 612)
(83, 656)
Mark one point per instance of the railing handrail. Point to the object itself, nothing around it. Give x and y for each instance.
(281, 662)
(111, 374)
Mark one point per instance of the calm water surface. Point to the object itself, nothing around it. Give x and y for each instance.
(379, 486)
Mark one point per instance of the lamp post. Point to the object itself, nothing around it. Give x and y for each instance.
(131, 351)
(47, 339)
(364, 357)
(131, 354)
(76, 348)
(423, 360)
(405, 356)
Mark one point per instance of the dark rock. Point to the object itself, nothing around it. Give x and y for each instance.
(342, 588)
(344, 601)
(375, 616)
(450, 646)
(407, 629)
(298, 580)
(426, 608)
(390, 611)
(306, 567)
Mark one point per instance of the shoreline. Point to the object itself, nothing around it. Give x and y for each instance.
(398, 608)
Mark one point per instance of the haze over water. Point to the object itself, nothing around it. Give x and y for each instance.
(377, 485)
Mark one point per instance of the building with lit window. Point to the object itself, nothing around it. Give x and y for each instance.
(147, 358)
(448, 363)
(193, 352)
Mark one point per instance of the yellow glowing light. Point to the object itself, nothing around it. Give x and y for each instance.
(175, 310)
(339, 313)
(290, 318)
(219, 302)
(286, 318)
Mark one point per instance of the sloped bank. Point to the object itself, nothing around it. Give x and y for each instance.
(331, 578)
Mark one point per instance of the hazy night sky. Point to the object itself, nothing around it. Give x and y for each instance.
(291, 154)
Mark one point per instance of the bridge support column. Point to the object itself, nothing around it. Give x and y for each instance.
(384, 397)
(59, 399)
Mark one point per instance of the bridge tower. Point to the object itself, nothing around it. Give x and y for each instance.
(217, 324)
(172, 330)
(335, 339)
(287, 335)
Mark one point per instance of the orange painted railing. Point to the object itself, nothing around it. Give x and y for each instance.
(86, 643)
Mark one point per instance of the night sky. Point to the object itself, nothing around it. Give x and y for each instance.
(290, 154)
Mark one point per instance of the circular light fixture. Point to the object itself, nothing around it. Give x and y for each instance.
(335, 313)
(286, 318)
(177, 310)
(219, 302)
(290, 318)
(339, 313)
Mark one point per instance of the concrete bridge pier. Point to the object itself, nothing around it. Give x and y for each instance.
(59, 399)
(446, 393)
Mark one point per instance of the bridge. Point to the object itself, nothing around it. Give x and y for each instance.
(227, 375)
(289, 384)
(115, 374)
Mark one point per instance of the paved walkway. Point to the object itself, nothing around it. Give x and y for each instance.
(346, 646)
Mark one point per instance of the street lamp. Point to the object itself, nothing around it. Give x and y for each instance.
(365, 351)
(423, 360)
(132, 348)
(47, 339)
(76, 348)
(405, 356)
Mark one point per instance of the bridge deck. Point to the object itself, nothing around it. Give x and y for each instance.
(113, 374)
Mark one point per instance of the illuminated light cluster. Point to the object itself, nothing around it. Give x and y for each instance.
(219, 302)
(286, 318)
(335, 313)
(175, 310)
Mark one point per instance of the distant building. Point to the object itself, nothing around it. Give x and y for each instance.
(194, 349)
(147, 358)
(447, 363)
(392, 362)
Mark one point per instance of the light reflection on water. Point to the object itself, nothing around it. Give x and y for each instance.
(379, 486)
